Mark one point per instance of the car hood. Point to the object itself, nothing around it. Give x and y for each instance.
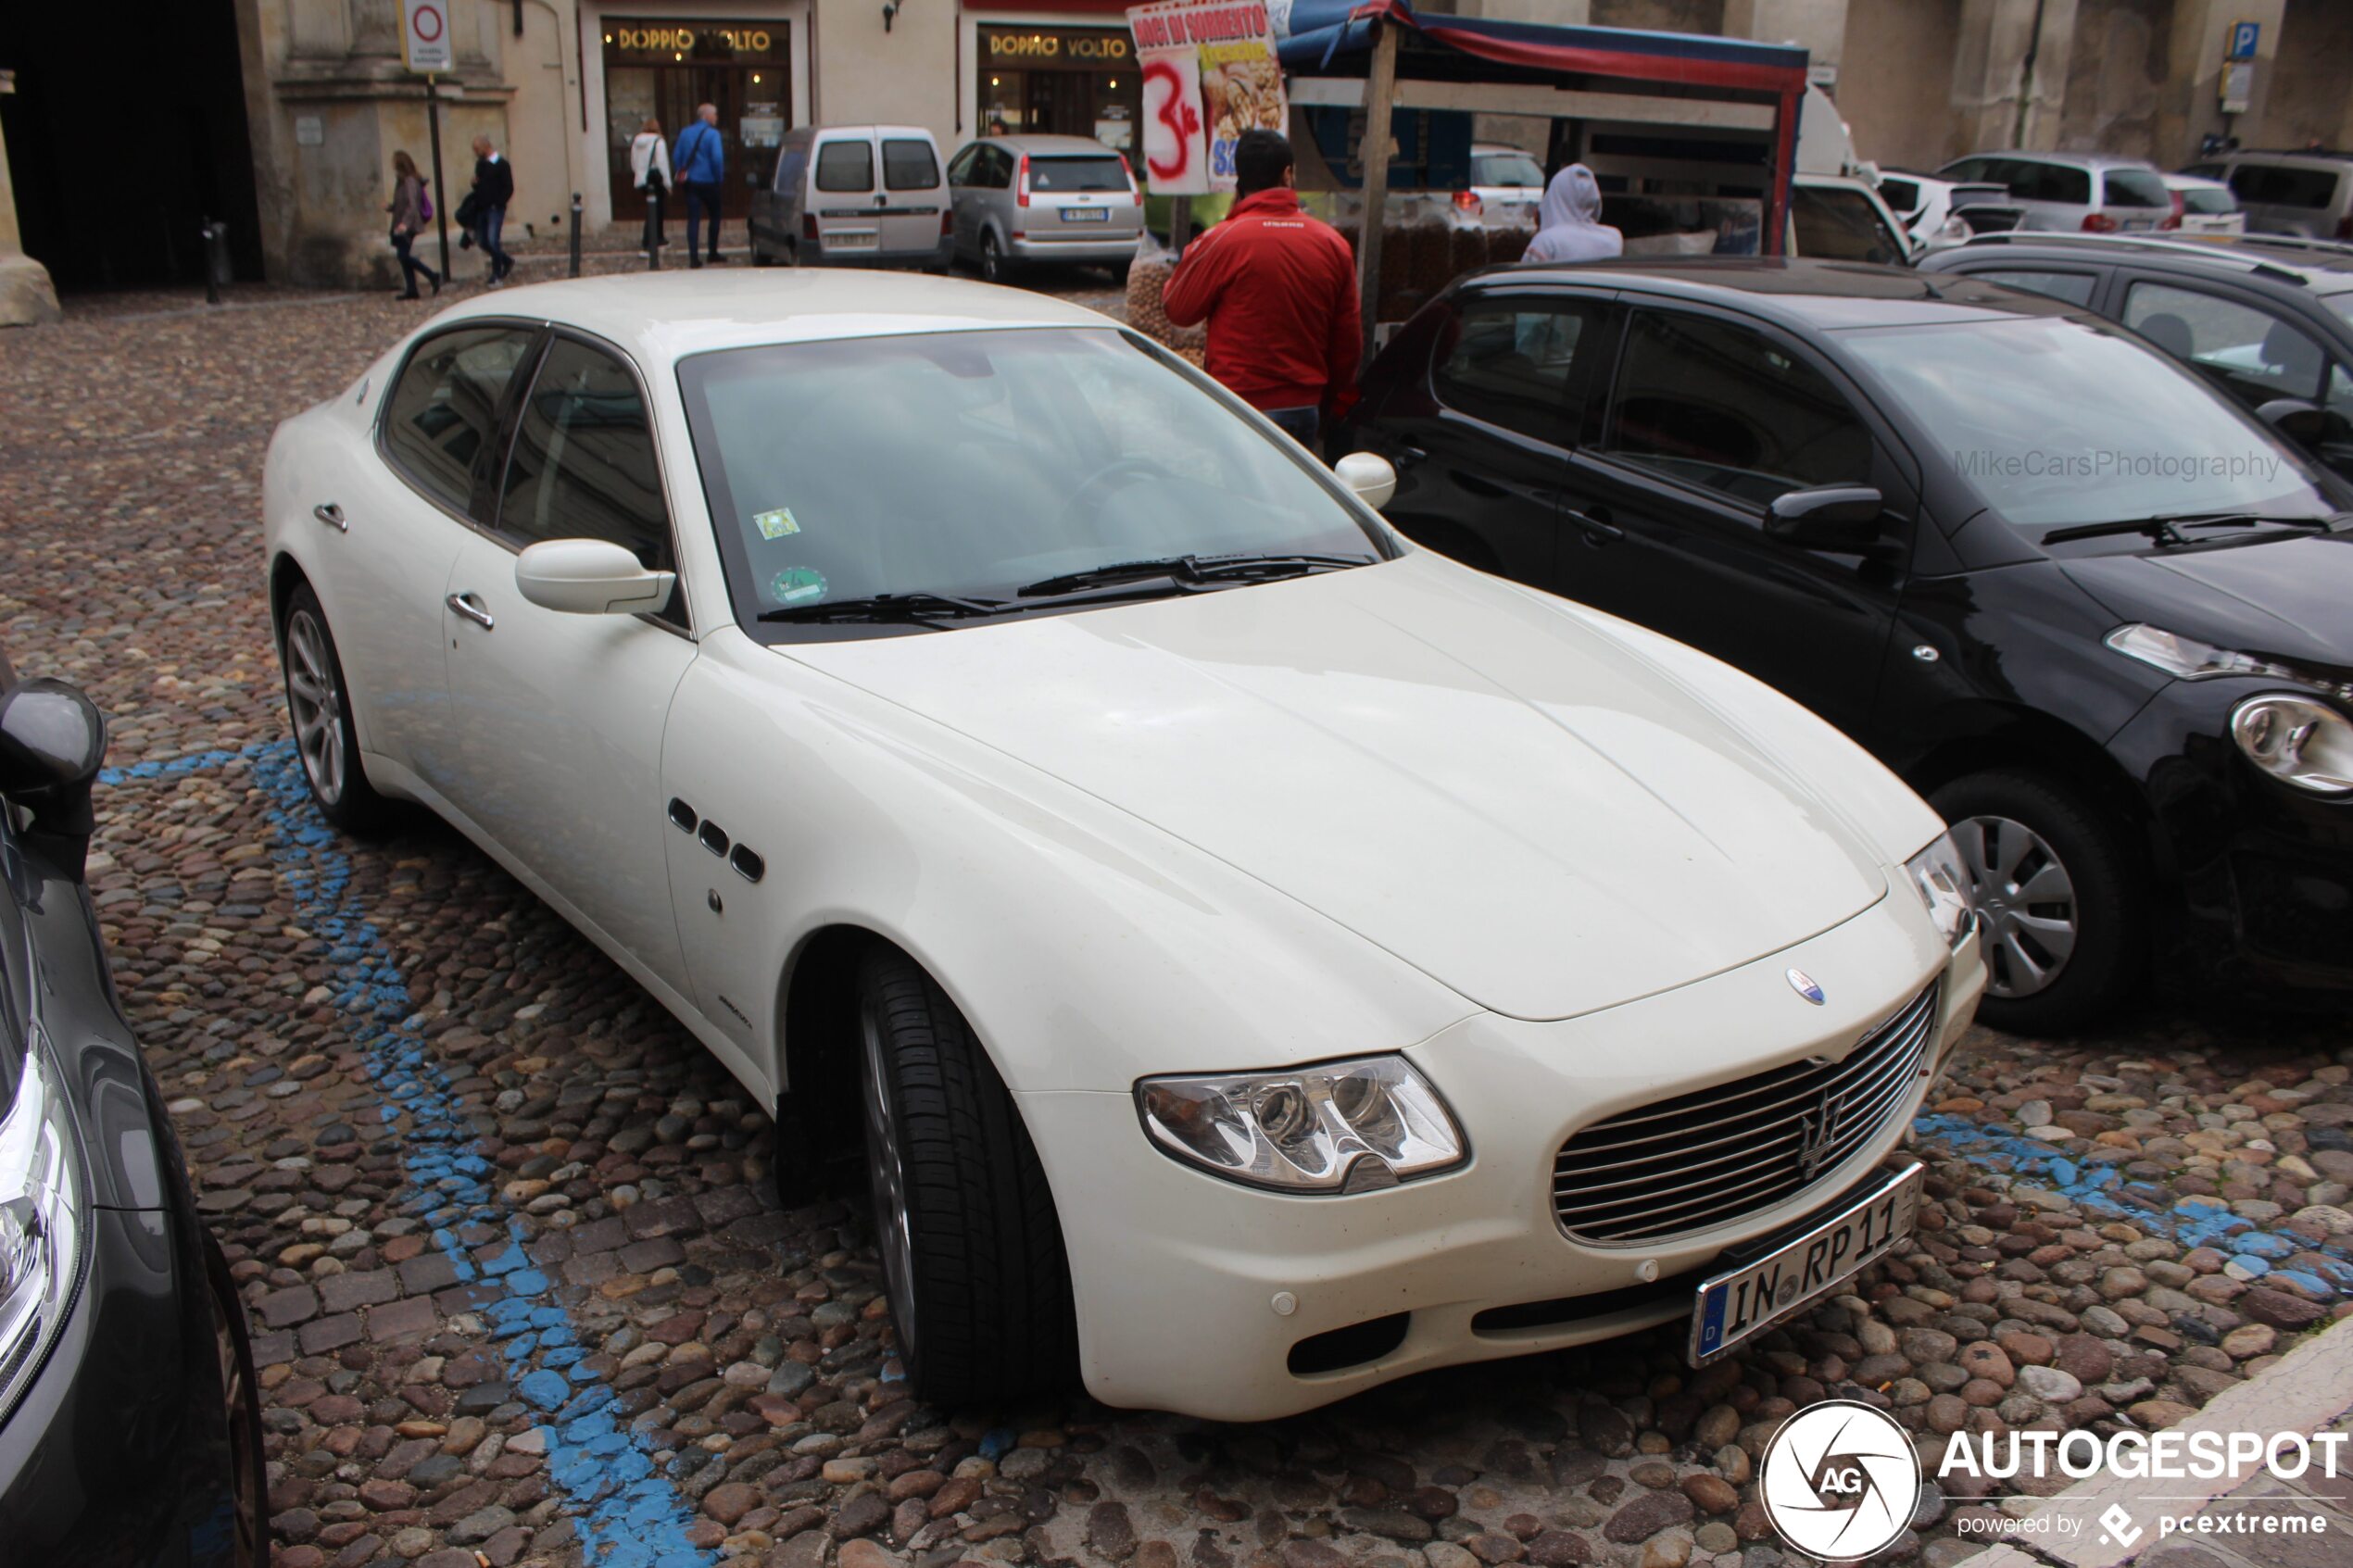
(1505, 791)
(2287, 599)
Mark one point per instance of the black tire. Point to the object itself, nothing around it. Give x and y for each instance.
(980, 1287)
(247, 1466)
(349, 802)
(2097, 865)
(996, 267)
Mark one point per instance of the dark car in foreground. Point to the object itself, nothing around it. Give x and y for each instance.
(130, 1427)
(2269, 325)
(2100, 615)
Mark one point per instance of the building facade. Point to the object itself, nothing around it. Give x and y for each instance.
(279, 118)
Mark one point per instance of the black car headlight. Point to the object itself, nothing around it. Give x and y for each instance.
(40, 1224)
(2297, 741)
(1339, 1127)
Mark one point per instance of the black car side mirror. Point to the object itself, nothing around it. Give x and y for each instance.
(52, 741)
(2307, 424)
(1830, 517)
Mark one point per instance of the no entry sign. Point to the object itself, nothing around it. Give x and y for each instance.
(424, 35)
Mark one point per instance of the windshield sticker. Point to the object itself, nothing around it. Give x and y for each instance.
(775, 524)
(798, 586)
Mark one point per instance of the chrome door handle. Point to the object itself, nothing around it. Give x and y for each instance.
(472, 609)
(332, 515)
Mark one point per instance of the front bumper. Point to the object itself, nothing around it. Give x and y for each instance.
(119, 1452)
(1193, 1292)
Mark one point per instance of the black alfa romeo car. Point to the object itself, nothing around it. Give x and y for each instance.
(2096, 611)
(130, 1431)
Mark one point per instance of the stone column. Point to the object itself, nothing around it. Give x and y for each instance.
(1993, 98)
(27, 298)
(1817, 26)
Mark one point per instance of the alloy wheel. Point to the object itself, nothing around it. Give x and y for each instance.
(2026, 903)
(887, 1184)
(992, 260)
(316, 705)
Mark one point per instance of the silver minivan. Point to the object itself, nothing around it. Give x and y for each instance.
(1043, 198)
(2309, 194)
(2093, 193)
(854, 195)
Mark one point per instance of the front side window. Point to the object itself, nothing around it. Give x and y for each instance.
(444, 410)
(909, 164)
(583, 463)
(960, 167)
(791, 169)
(976, 463)
(1513, 363)
(2254, 354)
(1836, 224)
(2073, 287)
(846, 165)
(1721, 407)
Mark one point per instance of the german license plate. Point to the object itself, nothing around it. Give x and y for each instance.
(1751, 1297)
(1086, 215)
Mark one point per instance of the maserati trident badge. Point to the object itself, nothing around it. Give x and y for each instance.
(1803, 984)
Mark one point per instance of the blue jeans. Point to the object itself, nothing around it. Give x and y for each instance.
(494, 219)
(1300, 424)
(702, 195)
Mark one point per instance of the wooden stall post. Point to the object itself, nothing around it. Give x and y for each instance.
(1373, 154)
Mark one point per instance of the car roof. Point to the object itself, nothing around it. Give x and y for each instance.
(2192, 183)
(2317, 155)
(1047, 145)
(2319, 271)
(2080, 160)
(1794, 291)
(662, 317)
(814, 132)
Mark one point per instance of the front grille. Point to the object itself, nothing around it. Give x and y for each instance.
(1702, 1158)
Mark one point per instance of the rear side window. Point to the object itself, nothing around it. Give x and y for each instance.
(444, 410)
(909, 164)
(2135, 187)
(1726, 408)
(1513, 363)
(2251, 353)
(2073, 287)
(846, 165)
(1841, 225)
(1065, 174)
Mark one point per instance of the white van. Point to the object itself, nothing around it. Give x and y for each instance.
(855, 195)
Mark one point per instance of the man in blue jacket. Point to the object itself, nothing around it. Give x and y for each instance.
(699, 161)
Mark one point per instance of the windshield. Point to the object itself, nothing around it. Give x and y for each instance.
(973, 463)
(2056, 422)
(1505, 169)
(2340, 303)
(2138, 187)
(2208, 199)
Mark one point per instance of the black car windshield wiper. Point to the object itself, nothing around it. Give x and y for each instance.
(920, 609)
(1193, 569)
(2164, 528)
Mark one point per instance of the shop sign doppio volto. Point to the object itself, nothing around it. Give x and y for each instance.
(1086, 48)
(1210, 73)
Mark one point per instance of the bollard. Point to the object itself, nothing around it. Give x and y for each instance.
(653, 227)
(575, 233)
(216, 259)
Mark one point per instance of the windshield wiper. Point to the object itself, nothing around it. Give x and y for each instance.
(1193, 569)
(2165, 528)
(920, 609)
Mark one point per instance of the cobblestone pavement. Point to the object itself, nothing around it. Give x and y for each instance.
(522, 1294)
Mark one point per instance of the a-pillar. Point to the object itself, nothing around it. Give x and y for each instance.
(27, 298)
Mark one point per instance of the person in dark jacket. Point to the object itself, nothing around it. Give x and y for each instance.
(700, 160)
(1278, 291)
(493, 188)
(407, 209)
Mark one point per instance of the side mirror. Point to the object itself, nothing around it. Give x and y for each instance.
(1831, 517)
(52, 741)
(589, 577)
(2307, 424)
(1370, 475)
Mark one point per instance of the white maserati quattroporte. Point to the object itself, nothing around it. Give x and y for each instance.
(1265, 957)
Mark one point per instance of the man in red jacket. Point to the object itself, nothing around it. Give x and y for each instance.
(1278, 291)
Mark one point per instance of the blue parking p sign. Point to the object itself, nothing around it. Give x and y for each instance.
(2243, 39)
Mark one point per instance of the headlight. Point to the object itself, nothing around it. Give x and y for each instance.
(1944, 886)
(2193, 660)
(1342, 1126)
(41, 1238)
(2297, 741)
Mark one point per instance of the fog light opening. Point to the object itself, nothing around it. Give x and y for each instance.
(1358, 1343)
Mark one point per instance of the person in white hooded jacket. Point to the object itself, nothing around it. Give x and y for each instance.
(649, 171)
(1570, 226)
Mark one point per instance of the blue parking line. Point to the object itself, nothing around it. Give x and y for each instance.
(175, 767)
(628, 1515)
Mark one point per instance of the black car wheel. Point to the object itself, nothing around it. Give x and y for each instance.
(994, 269)
(319, 705)
(971, 1251)
(2059, 899)
(242, 1396)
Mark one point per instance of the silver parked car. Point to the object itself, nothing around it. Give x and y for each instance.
(1043, 198)
(2094, 192)
(2307, 193)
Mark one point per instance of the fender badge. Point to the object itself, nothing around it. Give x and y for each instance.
(1803, 984)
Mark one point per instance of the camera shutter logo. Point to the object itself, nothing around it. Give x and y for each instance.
(1839, 1480)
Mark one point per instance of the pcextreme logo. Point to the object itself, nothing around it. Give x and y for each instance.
(1839, 1480)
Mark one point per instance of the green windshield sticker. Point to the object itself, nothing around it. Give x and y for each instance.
(775, 524)
(797, 585)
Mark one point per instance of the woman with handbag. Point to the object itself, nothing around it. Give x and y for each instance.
(650, 164)
(410, 207)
